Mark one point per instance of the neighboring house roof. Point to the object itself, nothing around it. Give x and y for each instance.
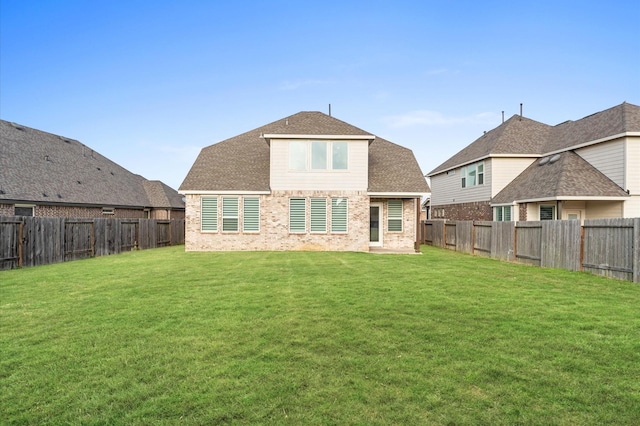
(41, 167)
(523, 136)
(241, 163)
(518, 135)
(559, 176)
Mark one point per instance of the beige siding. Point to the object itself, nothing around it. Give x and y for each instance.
(632, 206)
(353, 179)
(608, 157)
(504, 170)
(447, 188)
(604, 209)
(633, 166)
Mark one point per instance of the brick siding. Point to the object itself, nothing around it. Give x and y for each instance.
(274, 226)
(480, 210)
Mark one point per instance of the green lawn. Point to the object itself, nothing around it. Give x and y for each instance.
(167, 337)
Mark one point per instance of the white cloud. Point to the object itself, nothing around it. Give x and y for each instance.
(435, 118)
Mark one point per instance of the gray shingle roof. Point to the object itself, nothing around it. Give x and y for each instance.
(241, 163)
(41, 167)
(569, 176)
(520, 135)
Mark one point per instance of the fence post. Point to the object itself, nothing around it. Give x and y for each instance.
(581, 267)
(515, 241)
(20, 233)
(636, 250)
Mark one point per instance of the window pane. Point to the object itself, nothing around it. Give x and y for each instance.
(297, 215)
(340, 156)
(471, 176)
(318, 215)
(394, 213)
(297, 155)
(251, 215)
(464, 177)
(338, 215)
(229, 214)
(319, 155)
(507, 213)
(547, 212)
(499, 214)
(209, 214)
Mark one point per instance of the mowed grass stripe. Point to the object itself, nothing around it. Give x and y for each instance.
(164, 337)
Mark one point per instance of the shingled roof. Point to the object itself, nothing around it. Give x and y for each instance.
(41, 167)
(241, 163)
(523, 136)
(556, 177)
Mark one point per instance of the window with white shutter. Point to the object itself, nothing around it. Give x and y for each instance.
(209, 214)
(251, 214)
(297, 215)
(394, 216)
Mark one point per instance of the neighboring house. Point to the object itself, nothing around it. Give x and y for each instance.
(42, 174)
(306, 182)
(526, 170)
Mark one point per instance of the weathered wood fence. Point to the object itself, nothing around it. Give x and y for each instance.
(609, 247)
(32, 241)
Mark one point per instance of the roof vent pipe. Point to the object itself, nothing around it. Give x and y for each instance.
(520, 111)
(503, 116)
(329, 110)
(286, 121)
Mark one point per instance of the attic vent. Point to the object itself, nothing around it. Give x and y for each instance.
(543, 161)
(113, 174)
(554, 158)
(79, 182)
(17, 126)
(2, 192)
(98, 168)
(44, 194)
(65, 139)
(59, 196)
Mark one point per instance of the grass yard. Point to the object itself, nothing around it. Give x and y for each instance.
(167, 337)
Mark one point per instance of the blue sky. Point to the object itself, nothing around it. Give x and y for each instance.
(150, 83)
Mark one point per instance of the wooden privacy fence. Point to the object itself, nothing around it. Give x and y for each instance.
(32, 241)
(608, 247)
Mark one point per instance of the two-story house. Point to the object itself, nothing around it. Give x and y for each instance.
(527, 170)
(305, 182)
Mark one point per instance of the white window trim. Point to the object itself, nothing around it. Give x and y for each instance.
(244, 230)
(346, 218)
(390, 217)
(311, 218)
(236, 217)
(309, 157)
(305, 216)
(464, 172)
(217, 225)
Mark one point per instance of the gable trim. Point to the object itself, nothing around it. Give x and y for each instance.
(331, 137)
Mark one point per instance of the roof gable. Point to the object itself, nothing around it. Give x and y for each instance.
(518, 135)
(561, 175)
(241, 163)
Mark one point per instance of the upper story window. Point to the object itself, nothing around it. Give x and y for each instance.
(473, 175)
(318, 155)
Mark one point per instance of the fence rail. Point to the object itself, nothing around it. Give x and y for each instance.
(33, 241)
(608, 247)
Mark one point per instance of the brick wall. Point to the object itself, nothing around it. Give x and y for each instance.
(274, 226)
(480, 210)
(6, 210)
(522, 210)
